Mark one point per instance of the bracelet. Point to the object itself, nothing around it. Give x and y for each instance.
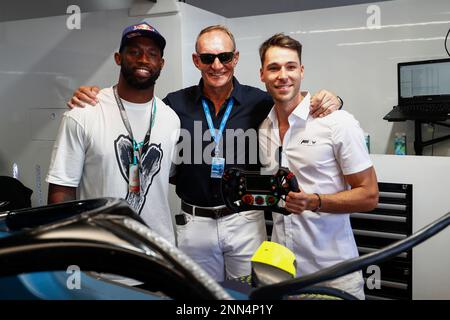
(320, 203)
(342, 102)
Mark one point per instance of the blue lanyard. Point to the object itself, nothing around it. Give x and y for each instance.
(136, 150)
(212, 130)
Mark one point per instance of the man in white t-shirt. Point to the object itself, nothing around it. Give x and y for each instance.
(123, 147)
(330, 160)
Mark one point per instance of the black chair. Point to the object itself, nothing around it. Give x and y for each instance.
(13, 194)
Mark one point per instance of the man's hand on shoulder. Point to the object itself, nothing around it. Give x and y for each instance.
(83, 95)
(323, 103)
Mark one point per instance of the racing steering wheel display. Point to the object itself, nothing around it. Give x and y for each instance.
(249, 190)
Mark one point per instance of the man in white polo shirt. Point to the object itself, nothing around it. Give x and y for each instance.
(330, 160)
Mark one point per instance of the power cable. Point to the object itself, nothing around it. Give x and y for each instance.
(445, 42)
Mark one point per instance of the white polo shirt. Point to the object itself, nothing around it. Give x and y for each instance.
(319, 151)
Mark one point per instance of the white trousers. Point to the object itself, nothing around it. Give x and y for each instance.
(223, 247)
(352, 283)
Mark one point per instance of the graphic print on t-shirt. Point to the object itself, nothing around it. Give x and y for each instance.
(149, 167)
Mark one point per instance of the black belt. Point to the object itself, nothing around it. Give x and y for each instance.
(207, 213)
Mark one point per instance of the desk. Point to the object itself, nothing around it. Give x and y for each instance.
(397, 116)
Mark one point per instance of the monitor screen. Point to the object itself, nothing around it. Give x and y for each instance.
(424, 79)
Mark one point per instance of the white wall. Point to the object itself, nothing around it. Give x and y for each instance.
(43, 62)
(341, 54)
(193, 20)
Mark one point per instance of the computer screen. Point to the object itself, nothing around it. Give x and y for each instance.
(427, 78)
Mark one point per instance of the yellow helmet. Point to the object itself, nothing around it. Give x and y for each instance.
(276, 255)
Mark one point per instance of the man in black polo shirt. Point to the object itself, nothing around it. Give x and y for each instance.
(221, 242)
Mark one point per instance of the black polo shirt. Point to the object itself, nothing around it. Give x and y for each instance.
(251, 106)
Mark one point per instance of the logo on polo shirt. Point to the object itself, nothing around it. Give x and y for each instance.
(308, 142)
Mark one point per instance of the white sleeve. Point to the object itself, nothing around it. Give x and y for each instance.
(67, 161)
(350, 146)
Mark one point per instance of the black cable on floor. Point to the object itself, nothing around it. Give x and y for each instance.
(445, 42)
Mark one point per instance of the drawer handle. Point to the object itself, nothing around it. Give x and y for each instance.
(391, 284)
(394, 195)
(379, 217)
(369, 250)
(400, 207)
(379, 234)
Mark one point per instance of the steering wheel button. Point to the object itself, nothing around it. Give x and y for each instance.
(259, 200)
(248, 199)
(270, 200)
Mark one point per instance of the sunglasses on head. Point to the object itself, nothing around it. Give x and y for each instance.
(208, 58)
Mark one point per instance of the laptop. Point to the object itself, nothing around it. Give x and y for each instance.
(423, 91)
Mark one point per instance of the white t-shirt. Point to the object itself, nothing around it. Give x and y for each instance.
(93, 151)
(319, 151)
(139, 117)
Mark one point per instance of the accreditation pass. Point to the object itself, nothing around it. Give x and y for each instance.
(225, 310)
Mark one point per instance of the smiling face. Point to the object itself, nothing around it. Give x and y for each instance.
(216, 75)
(140, 62)
(282, 73)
